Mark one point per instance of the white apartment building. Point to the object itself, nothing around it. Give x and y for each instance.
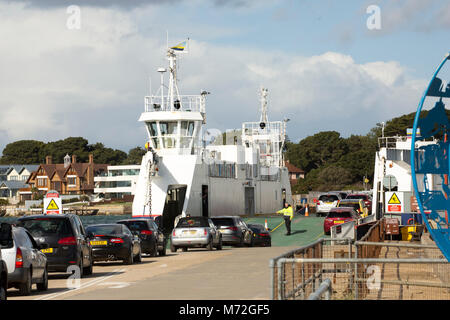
(117, 182)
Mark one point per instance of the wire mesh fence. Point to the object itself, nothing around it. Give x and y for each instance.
(367, 269)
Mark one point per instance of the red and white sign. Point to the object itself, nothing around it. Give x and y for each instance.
(394, 208)
(52, 203)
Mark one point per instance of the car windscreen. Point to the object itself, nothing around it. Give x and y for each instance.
(104, 229)
(41, 227)
(192, 223)
(223, 222)
(135, 225)
(339, 214)
(328, 198)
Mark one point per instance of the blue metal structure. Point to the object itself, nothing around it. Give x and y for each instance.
(433, 159)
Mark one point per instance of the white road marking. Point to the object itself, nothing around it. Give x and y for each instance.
(84, 285)
(115, 285)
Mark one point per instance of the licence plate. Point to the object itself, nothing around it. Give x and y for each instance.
(99, 243)
(48, 250)
(339, 222)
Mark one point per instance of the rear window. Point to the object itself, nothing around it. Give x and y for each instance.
(41, 227)
(357, 196)
(256, 228)
(192, 223)
(328, 198)
(226, 222)
(105, 229)
(342, 214)
(135, 225)
(354, 205)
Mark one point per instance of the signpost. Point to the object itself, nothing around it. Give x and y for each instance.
(52, 203)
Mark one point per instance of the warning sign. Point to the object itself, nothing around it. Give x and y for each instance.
(394, 199)
(52, 205)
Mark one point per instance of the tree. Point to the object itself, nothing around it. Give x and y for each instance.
(23, 152)
(135, 156)
(335, 178)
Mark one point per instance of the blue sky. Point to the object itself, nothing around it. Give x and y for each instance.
(324, 68)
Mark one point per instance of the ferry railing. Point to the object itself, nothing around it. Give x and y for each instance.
(192, 103)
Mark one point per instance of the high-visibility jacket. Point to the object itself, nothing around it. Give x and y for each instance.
(287, 212)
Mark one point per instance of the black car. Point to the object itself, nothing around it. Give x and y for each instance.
(66, 240)
(152, 238)
(114, 242)
(260, 236)
(234, 230)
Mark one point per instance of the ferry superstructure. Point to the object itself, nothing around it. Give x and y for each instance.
(181, 175)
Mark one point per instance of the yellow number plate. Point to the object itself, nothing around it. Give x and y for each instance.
(99, 243)
(338, 222)
(48, 250)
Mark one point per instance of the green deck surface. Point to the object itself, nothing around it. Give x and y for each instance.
(304, 230)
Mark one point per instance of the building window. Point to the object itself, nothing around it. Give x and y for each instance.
(72, 181)
(42, 182)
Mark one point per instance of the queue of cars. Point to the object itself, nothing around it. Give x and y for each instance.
(39, 244)
(339, 207)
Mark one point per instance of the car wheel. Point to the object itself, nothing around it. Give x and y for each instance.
(25, 288)
(129, 259)
(154, 249)
(88, 270)
(185, 249)
(219, 246)
(2, 293)
(209, 247)
(173, 248)
(139, 256)
(43, 286)
(162, 252)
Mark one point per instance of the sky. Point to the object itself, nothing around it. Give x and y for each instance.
(328, 65)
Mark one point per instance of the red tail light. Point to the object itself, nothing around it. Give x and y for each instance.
(205, 232)
(116, 240)
(173, 233)
(147, 232)
(19, 258)
(67, 241)
(263, 234)
(233, 228)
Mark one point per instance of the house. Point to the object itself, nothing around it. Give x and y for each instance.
(70, 177)
(294, 173)
(12, 179)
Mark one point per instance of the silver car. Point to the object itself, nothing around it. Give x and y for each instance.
(191, 232)
(234, 230)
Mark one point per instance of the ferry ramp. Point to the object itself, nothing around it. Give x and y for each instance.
(304, 230)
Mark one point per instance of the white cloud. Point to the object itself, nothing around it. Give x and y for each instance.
(57, 82)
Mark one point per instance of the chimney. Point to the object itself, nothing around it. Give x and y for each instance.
(74, 158)
(91, 158)
(48, 160)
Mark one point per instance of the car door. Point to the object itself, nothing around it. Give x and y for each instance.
(158, 234)
(40, 259)
(133, 238)
(82, 240)
(245, 231)
(213, 231)
(29, 254)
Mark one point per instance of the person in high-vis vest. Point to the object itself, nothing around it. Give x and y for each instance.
(288, 215)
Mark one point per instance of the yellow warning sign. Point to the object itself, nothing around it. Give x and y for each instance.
(394, 199)
(52, 205)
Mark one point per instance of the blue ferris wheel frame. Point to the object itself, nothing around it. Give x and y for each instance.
(433, 159)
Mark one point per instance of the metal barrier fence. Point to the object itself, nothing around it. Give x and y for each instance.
(303, 280)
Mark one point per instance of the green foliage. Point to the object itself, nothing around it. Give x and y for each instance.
(23, 152)
(4, 202)
(135, 156)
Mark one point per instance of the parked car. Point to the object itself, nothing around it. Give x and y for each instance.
(66, 241)
(5, 240)
(152, 238)
(365, 197)
(26, 264)
(114, 242)
(326, 202)
(338, 216)
(193, 232)
(233, 229)
(260, 236)
(357, 204)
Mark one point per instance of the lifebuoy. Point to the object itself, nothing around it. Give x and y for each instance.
(410, 221)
